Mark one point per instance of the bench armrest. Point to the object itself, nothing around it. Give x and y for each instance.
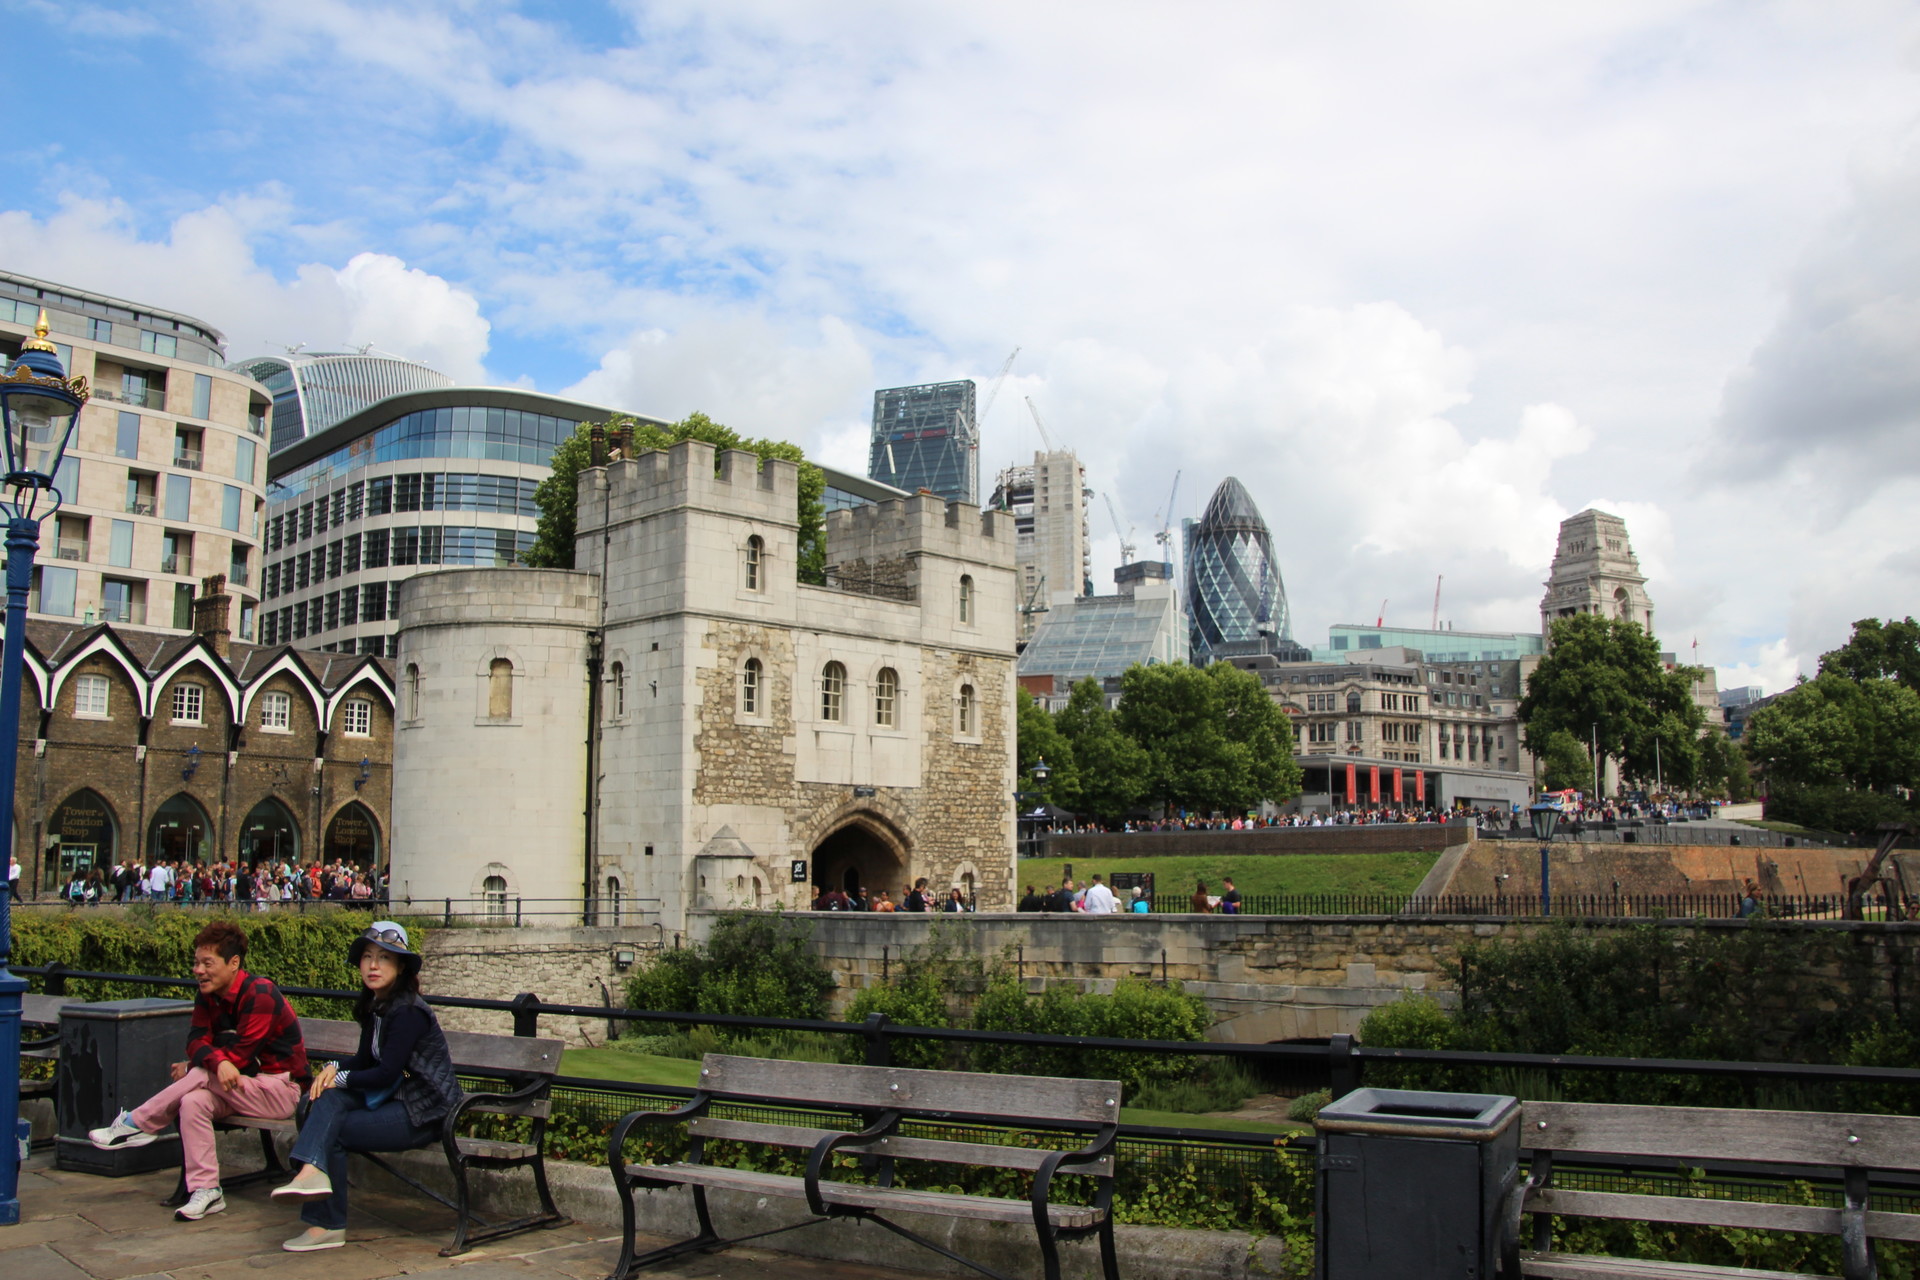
(624, 1127)
(1060, 1161)
(823, 1151)
(450, 1127)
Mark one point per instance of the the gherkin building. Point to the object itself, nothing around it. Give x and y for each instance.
(1234, 592)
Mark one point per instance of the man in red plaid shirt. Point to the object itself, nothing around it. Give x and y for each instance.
(244, 1057)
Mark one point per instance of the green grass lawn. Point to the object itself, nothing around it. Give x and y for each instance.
(1254, 873)
(646, 1068)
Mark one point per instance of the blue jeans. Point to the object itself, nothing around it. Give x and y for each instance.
(340, 1122)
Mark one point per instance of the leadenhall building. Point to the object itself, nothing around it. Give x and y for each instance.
(157, 746)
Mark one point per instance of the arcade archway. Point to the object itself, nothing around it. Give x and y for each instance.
(353, 837)
(269, 834)
(180, 832)
(81, 835)
(856, 856)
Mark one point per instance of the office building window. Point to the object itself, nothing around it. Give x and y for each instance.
(202, 395)
(179, 498)
(376, 557)
(245, 458)
(230, 508)
(159, 344)
(127, 435)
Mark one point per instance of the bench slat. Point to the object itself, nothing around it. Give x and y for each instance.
(979, 1154)
(473, 1052)
(1573, 1266)
(1711, 1133)
(981, 1208)
(1881, 1224)
(967, 1092)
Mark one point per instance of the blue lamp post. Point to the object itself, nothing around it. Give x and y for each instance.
(1545, 817)
(39, 405)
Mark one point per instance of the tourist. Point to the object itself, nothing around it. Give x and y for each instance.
(917, 899)
(1098, 900)
(1139, 906)
(885, 903)
(1202, 904)
(1229, 897)
(1031, 902)
(955, 902)
(244, 1057)
(819, 899)
(391, 1095)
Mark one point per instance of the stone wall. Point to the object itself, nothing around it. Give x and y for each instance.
(1261, 842)
(1605, 869)
(1265, 977)
(560, 965)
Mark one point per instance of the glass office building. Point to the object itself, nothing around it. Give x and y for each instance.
(926, 437)
(1234, 591)
(316, 391)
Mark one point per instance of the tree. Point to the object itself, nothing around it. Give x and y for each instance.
(1878, 651)
(558, 495)
(1111, 767)
(1564, 762)
(1724, 769)
(1602, 677)
(1835, 731)
(1213, 738)
(1037, 739)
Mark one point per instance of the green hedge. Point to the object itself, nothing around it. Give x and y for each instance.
(308, 949)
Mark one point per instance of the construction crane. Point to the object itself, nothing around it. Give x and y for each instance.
(1045, 439)
(1165, 536)
(1126, 539)
(993, 391)
(1438, 578)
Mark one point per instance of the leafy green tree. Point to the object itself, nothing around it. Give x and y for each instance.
(1603, 677)
(1724, 770)
(1213, 738)
(1111, 769)
(1564, 762)
(1038, 739)
(1878, 651)
(1836, 731)
(558, 495)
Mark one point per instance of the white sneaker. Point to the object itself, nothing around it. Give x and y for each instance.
(201, 1203)
(315, 1238)
(123, 1132)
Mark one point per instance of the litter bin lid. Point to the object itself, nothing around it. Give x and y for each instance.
(1419, 1113)
(118, 1010)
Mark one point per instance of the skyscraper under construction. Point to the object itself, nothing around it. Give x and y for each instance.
(926, 437)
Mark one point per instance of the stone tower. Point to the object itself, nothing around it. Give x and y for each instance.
(1595, 571)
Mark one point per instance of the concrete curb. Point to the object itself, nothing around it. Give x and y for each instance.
(585, 1193)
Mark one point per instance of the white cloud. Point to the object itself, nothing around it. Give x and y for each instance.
(1775, 669)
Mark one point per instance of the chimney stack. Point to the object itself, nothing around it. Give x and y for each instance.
(211, 613)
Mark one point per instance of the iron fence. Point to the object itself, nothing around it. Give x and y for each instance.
(1518, 903)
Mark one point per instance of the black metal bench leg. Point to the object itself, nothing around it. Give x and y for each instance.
(1049, 1254)
(547, 1206)
(463, 1208)
(1109, 1256)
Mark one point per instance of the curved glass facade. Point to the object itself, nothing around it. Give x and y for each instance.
(314, 392)
(1234, 591)
(464, 431)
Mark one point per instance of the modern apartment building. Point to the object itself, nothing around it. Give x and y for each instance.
(164, 483)
(1053, 555)
(927, 437)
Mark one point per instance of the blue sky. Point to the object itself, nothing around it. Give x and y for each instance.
(1426, 278)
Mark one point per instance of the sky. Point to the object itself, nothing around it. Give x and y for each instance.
(1427, 278)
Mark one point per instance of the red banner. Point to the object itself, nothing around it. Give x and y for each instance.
(1373, 784)
(1353, 787)
(1420, 786)
(1397, 796)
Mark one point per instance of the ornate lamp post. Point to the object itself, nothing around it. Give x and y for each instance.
(1039, 773)
(1545, 817)
(39, 405)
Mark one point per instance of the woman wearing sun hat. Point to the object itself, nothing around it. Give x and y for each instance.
(391, 1095)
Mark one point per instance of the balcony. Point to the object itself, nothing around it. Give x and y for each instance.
(150, 398)
(116, 611)
(177, 563)
(257, 424)
(237, 578)
(69, 549)
(187, 458)
(140, 507)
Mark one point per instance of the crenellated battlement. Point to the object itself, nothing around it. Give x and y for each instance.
(905, 530)
(689, 474)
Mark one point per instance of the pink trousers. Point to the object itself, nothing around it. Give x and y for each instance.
(196, 1100)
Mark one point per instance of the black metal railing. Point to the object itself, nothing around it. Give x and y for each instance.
(1669, 906)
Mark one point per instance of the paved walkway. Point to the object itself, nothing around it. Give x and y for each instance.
(76, 1226)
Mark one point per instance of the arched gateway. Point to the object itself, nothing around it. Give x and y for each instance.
(861, 853)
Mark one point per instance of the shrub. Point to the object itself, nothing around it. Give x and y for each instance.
(1135, 1010)
(755, 963)
(1305, 1107)
(916, 1000)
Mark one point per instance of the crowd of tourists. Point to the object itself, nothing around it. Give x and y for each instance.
(263, 884)
(917, 898)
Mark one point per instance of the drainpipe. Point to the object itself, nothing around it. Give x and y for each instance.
(589, 834)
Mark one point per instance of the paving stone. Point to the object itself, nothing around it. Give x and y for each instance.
(350, 1262)
(170, 1245)
(44, 1230)
(38, 1262)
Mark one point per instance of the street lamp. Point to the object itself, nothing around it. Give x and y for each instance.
(1038, 772)
(39, 405)
(1545, 817)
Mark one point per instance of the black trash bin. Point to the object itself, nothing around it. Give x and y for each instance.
(1410, 1184)
(115, 1055)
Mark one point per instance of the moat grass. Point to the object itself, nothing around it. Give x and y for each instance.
(647, 1068)
(1254, 873)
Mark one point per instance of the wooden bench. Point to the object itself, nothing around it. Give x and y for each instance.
(1811, 1143)
(526, 1064)
(882, 1099)
(41, 1011)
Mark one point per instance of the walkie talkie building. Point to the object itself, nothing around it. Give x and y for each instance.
(925, 437)
(1234, 592)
